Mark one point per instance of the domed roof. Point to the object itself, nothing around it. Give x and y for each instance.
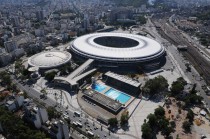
(49, 59)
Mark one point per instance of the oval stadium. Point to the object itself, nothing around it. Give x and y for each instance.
(117, 48)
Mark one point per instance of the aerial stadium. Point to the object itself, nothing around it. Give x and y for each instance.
(49, 59)
(117, 48)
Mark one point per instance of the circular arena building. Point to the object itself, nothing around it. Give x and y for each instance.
(49, 59)
(117, 48)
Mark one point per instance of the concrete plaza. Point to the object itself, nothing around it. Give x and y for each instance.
(139, 110)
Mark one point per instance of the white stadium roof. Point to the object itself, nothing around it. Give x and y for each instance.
(49, 59)
(146, 49)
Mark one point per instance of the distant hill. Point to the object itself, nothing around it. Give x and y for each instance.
(135, 3)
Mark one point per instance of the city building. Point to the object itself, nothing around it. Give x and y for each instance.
(15, 21)
(120, 14)
(10, 46)
(35, 115)
(5, 58)
(18, 53)
(14, 102)
(58, 129)
(40, 15)
(122, 83)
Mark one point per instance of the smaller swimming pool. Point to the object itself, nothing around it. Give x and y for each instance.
(117, 95)
(99, 87)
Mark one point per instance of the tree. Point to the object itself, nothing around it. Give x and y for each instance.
(190, 116)
(142, 20)
(186, 126)
(146, 131)
(182, 81)
(19, 66)
(156, 85)
(52, 113)
(152, 120)
(146, 90)
(124, 118)
(173, 124)
(163, 123)
(193, 90)
(166, 131)
(113, 122)
(165, 127)
(14, 127)
(159, 112)
(25, 72)
(193, 99)
(25, 94)
(176, 88)
(50, 76)
(6, 80)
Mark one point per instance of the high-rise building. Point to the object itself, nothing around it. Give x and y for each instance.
(15, 21)
(10, 46)
(36, 115)
(86, 21)
(40, 15)
(59, 130)
(5, 58)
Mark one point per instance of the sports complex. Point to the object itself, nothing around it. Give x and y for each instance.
(117, 48)
(98, 52)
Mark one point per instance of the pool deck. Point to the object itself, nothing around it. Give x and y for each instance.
(108, 88)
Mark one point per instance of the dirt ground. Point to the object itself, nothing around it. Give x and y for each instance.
(174, 113)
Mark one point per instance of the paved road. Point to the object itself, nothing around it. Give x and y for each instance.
(192, 76)
(88, 124)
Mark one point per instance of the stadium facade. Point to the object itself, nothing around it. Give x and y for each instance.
(118, 49)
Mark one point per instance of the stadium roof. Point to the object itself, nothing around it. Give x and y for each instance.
(146, 49)
(49, 59)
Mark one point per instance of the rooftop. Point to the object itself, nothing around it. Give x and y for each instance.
(117, 47)
(49, 59)
(123, 78)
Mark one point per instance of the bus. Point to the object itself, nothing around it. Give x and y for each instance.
(90, 133)
(74, 123)
(79, 124)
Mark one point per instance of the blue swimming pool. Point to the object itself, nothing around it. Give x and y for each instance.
(117, 95)
(99, 87)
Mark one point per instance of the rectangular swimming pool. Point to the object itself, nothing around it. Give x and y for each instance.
(117, 95)
(99, 87)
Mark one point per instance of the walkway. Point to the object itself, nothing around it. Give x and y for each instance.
(73, 78)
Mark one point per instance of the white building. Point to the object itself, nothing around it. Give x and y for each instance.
(59, 130)
(36, 115)
(14, 103)
(10, 105)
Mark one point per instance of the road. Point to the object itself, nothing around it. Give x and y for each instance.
(180, 60)
(88, 124)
